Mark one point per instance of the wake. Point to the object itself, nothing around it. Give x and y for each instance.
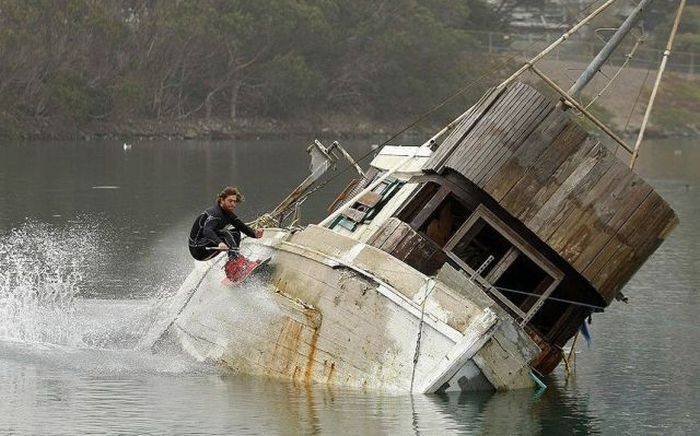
(43, 318)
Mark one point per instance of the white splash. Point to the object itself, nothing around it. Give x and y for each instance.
(40, 275)
(44, 319)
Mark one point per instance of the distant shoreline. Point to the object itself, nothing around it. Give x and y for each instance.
(244, 129)
(215, 129)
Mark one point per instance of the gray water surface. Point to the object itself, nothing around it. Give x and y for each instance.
(92, 245)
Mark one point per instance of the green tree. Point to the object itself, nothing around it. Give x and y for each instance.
(85, 60)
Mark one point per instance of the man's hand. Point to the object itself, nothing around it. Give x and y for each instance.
(222, 246)
(258, 233)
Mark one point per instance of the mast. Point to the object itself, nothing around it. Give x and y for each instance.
(608, 49)
(451, 125)
(662, 67)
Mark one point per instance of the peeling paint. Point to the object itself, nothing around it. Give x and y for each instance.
(340, 323)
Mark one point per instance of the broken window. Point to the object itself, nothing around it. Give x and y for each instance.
(480, 242)
(368, 206)
(445, 220)
(436, 212)
(503, 263)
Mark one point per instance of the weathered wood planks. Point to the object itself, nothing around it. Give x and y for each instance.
(401, 241)
(455, 137)
(543, 169)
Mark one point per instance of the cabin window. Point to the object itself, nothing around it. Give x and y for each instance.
(368, 206)
(503, 263)
(445, 220)
(417, 204)
(481, 245)
(436, 212)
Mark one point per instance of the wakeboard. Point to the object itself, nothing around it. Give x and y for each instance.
(240, 268)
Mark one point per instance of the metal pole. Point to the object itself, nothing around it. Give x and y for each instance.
(607, 50)
(628, 58)
(662, 67)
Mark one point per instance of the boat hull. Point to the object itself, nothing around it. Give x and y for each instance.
(335, 311)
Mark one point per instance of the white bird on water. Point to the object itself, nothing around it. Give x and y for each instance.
(127, 146)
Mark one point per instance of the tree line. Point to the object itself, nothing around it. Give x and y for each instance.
(80, 61)
(85, 60)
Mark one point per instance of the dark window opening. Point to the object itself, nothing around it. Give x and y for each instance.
(481, 242)
(548, 315)
(418, 202)
(522, 279)
(559, 320)
(507, 267)
(445, 220)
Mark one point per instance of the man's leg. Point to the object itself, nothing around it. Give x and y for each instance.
(233, 240)
(201, 253)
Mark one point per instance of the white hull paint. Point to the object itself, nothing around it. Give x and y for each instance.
(336, 311)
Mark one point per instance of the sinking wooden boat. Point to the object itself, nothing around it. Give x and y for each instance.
(466, 263)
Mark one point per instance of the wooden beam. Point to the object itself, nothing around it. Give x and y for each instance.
(467, 231)
(540, 302)
(519, 242)
(570, 100)
(430, 207)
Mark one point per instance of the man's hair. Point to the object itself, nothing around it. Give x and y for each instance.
(228, 191)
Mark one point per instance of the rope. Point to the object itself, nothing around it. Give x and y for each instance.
(187, 300)
(569, 361)
(436, 107)
(628, 58)
(639, 95)
(404, 129)
(636, 103)
(430, 286)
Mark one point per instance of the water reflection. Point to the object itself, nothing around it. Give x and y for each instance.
(41, 398)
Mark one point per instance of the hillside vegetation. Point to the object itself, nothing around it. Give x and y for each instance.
(76, 62)
(147, 67)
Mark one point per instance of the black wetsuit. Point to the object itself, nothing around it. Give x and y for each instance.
(209, 229)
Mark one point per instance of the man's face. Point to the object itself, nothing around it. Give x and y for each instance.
(229, 203)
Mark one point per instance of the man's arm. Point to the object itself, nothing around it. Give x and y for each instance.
(243, 227)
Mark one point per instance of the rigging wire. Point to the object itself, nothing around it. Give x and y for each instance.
(636, 103)
(639, 95)
(628, 58)
(561, 300)
(436, 107)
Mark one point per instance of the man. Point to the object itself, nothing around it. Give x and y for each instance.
(210, 235)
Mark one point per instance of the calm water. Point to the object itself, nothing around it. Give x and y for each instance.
(92, 243)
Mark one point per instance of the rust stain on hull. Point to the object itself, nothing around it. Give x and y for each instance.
(314, 317)
(290, 356)
(286, 346)
(308, 373)
(330, 378)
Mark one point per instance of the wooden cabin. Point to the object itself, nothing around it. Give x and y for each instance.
(521, 199)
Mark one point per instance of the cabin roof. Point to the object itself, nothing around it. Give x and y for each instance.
(543, 168)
